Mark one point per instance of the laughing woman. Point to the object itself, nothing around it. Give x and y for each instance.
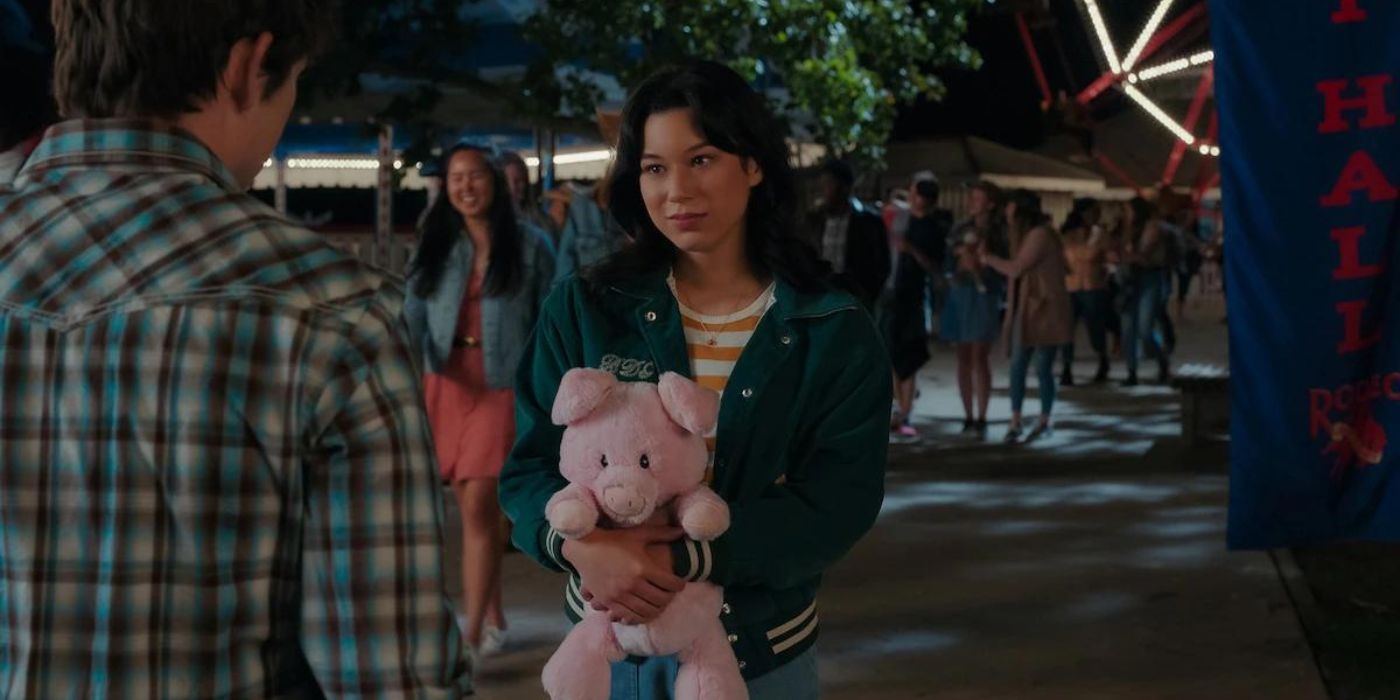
(716, 287)
(475, 286)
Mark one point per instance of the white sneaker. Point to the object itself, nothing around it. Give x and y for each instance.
(473, 658)
(493, 640)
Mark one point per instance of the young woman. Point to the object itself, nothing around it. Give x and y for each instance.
(1087, 280)
(527, 207)
(717, 287)
(1039, 320)
(970, 310)
(475, 286)
(1143, 269)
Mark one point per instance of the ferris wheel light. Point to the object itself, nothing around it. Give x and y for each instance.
(1147, 31)
(1174, 66)
(1105, 41)
(1162, 69)
(1215, 151)
(1157, 113)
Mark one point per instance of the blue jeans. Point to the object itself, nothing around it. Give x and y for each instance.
(653, 679)
(1091, 306)
(1140, 317)
(1044, 372)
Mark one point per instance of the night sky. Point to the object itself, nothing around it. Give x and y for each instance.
(1001, 101)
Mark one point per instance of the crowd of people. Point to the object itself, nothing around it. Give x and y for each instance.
(1007, 276)
(225, 444)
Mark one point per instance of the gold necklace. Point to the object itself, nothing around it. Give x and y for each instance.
(713, 336)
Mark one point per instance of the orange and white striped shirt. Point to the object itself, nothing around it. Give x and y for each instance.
(714, 344)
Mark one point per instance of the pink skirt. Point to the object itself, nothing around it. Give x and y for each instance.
(473, 425)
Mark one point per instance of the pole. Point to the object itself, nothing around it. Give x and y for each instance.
(279, 196)
(384, 211)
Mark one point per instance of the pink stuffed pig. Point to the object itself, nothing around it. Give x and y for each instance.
(634, 452)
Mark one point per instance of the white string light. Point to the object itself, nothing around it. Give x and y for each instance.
(1101, 30)
(1158, 114)
(1170, 67)
(373, 164)
(572, 158)
(333, 163)
(582, 157)
(1147, 31)
(1162, 69)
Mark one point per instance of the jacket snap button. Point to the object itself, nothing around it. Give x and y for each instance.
(651, 317)
(726, 609)
(747, 393)
(786, 340)
(733, 638)
(742, 665)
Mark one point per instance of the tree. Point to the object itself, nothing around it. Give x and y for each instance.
(408, 39)
(836, 67)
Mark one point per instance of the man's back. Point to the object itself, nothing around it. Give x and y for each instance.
(215, 472)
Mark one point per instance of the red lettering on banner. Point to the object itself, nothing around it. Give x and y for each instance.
(1321, 411)
(1371, 99)
(1392, 386)
(1351, 317)
(1360, 173)
(1348, 12)
(1343, 398)
(1349, 248)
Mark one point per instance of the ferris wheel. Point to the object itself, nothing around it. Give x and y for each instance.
(1165, 50)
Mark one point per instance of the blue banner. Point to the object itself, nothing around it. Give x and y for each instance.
(1308, 98)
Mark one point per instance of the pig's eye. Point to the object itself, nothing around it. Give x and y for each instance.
(604, 461)
(646, 462)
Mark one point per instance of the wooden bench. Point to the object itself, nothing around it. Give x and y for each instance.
(1205, 401)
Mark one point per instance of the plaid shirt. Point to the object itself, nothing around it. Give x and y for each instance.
(216, 476)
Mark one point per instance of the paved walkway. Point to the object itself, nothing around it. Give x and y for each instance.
(1091, 565)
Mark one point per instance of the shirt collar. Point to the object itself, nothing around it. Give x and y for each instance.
(85, 143)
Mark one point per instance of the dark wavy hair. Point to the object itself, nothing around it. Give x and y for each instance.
(735, 119)
(443, 224)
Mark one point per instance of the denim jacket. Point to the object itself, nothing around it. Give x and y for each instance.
(590, 234)
(506, 319)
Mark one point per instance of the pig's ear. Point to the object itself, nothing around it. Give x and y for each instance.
(581, 392)
(690, 405)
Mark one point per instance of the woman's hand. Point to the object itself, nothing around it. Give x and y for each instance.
(627, 573)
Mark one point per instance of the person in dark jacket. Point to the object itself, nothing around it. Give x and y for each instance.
(719, 288)
(849, 235)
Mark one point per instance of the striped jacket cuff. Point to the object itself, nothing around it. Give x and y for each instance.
(552, 544)
(691, 560)
(795, 631)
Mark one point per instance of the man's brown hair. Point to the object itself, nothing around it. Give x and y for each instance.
(127, 58)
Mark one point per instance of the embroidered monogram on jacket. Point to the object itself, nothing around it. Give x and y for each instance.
(627, 367)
